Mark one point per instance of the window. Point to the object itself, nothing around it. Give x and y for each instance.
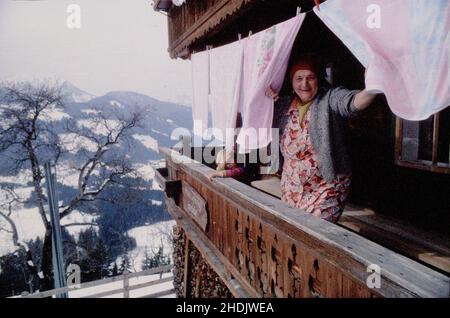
(424, 144)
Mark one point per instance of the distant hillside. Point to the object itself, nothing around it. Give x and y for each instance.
(141, 149)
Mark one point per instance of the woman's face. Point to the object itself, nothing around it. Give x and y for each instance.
(305, 85)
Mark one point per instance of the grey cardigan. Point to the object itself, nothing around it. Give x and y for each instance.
(328, 112)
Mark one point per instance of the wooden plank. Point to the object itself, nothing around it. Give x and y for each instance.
(271, 186)
(295, 278)
(261, 279)
(236, 284)
(234, 225)
(435, 139)
(253, 250)
(216, 13)
(219, 232)
(405, 239)
(351, 289)
(227, 232)
(195, 205)
(160, 294)
(398, 139)
(151, 283)
(187, 270)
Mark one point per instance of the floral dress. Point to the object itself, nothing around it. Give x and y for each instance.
(302, 185)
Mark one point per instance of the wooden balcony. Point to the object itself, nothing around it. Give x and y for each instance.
(260, 247)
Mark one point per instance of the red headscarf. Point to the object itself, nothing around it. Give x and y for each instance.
(307, 62)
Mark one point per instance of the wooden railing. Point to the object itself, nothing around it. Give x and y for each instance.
(127, 286)
(260, 247)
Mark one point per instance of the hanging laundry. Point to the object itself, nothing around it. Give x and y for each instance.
(200, 94)
(226, 75)
(405, 46)
(266, 57)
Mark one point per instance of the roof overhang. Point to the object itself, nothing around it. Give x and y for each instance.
(162, 5)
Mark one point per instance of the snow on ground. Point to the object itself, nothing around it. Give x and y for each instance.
(147, 141)
(54, 114)
(99, 128)
(29, 226)
(170, 121)
(115, 103)
(81, 98)
(78, 217)
(90, 111)
(73, 142)
(29, 222)
(156, 202)
(27, 219)
(147, 171)
(160, 132)
(150, 238)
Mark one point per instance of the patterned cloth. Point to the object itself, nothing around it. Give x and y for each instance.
(266, 58)
(302, 185)
(405, 46)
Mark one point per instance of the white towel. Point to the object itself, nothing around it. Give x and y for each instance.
(200, 91)
(226, 70)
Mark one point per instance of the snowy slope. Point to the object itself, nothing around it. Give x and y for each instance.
(150, 238)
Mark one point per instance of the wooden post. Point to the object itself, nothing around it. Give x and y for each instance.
(126, 285)
(186, 269)
(434, 157)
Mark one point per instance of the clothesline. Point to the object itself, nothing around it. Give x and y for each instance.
(299, 9)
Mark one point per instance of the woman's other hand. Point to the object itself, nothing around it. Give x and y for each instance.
(215, 174)
(272, 94)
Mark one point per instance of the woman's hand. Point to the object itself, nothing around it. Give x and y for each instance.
(272, 94)
(214, 174)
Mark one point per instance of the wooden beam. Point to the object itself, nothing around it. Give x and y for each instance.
(399, 237)
(435, 139)
(186, 277)
(398, 139)
(217, 14)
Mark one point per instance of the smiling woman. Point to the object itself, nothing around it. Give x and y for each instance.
(311, 127)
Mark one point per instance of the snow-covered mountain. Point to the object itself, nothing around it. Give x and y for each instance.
(74, 94)
(161, 118)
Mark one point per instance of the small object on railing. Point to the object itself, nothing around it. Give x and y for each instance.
(250, 33)
(299, 10)
(172, 188)
(239, 37)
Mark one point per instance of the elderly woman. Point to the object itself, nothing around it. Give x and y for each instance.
(316, 173)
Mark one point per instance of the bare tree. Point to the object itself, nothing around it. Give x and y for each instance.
(9, 201)
(29, 139)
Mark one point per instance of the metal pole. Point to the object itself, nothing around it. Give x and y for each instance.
(57, 251)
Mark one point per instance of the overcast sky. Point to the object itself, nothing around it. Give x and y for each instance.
(121, 45)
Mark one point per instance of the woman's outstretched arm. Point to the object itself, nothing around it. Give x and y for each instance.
(363, 99)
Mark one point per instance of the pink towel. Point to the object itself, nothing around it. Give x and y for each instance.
(226, 71)
(266, 57)
(407, 57)
(200, 91)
